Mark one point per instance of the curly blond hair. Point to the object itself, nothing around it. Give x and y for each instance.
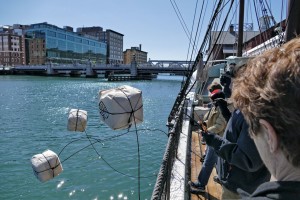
(269, 88)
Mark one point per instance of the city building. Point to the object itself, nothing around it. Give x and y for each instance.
(135, 53)
(113, 39)
(94, 31)
(49, 43)
(36, 49)
(12, 45)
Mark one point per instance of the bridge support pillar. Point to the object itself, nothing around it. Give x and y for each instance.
(89, 72)
(50, 70)
(133, 68)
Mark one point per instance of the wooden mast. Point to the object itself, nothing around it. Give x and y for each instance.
(241, 29)
(293, 16)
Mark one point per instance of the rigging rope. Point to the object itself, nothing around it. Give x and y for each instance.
(97, 140)
(225, 20)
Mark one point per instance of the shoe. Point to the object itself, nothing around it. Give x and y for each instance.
(202, 158)
(196, 187)
(217, 180)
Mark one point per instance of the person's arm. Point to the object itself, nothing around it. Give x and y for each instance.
(242, 154)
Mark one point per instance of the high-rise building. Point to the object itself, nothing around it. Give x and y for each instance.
(135, 53)
(94, 31)
(12, 45)
(58, 45)
(113, 39)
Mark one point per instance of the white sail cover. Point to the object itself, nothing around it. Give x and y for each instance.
(120, 107)
(77, 120)
(46, 165)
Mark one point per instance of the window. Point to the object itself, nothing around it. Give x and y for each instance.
(70, 46)
(61, 36)
(51, 43)
(78, 40)
(69, 37)
(51, 33)
(85, 41)
(62, 45)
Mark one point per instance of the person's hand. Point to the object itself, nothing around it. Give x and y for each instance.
(208, 137)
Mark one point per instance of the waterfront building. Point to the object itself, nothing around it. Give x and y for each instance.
(94, 31)
(113, 39)
(135, 53)
(49, 43)
(36, 49)
(12, 45)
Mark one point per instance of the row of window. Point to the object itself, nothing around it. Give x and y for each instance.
(12, 38)
(9, 54)
(72, 38)
(116, 36)
(75, 56)
(6, 48)
(52, 43)
(7, 60)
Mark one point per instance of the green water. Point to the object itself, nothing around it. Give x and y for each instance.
(34, 113)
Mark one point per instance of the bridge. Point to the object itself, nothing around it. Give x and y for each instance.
(146, 70)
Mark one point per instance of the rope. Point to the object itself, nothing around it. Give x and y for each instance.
(96, 140)
(138, 144)
(76, 119)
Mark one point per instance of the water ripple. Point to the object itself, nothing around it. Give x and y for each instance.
(34, 118)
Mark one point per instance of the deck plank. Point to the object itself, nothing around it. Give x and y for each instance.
(213, 190)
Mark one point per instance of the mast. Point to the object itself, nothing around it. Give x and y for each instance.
(293, 16)
(241, 27)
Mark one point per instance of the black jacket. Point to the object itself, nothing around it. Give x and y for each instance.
(280, 190)
(239, 164)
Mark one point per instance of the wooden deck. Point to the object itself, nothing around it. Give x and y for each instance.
(213, 190)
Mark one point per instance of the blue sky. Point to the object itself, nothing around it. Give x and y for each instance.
(151, 23)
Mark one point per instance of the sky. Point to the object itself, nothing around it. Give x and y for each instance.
(152, 23)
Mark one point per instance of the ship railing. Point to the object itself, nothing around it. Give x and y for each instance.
(162, 186)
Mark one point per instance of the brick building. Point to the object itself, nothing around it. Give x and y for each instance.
(135, 53)
(12, 45)
(113, 39)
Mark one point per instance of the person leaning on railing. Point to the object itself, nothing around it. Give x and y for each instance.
(214, 122)
(239, 165)
(268, 94)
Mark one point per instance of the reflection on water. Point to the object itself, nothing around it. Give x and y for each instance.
(34, 112)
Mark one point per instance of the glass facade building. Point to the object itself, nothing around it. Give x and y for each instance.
(62, 46)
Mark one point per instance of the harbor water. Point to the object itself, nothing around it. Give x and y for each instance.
(34, 114)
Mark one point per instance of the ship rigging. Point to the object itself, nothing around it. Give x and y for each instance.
(271, 34)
